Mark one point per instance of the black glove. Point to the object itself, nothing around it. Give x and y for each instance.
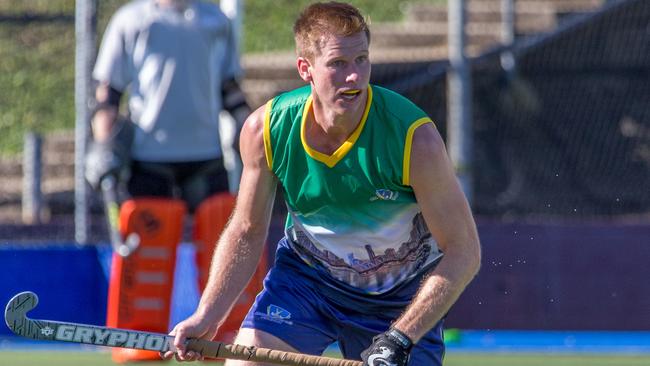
(390, 348)
(112, 157)
(103, 159)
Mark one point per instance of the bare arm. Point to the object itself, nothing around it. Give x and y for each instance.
(241, 244)
(450, 221)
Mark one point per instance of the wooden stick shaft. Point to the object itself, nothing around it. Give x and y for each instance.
(238, 352)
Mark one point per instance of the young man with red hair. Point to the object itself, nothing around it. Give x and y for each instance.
(373, 206)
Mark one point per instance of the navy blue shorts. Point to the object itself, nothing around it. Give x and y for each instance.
(309, 312)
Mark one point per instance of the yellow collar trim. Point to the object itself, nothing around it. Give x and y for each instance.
(332, 160)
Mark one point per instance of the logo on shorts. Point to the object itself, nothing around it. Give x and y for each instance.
(276, 314)
(385, 195)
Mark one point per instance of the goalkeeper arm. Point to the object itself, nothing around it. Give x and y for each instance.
(109, 151)
(106, 112)
(234, 101)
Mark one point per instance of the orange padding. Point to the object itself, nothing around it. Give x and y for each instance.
(210, 219)
(141, 285)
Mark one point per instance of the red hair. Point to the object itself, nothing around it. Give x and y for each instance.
(320, 20)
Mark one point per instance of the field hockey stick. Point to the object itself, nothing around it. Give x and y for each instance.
(17, 320)
(122, 247)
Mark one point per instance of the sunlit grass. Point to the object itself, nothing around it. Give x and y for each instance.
(60, 358)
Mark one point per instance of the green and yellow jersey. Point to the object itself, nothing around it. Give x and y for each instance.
(353, 213)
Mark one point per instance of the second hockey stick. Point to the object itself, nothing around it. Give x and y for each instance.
(125, 247)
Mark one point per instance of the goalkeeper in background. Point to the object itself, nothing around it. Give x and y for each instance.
(178, 62)
(380, 240)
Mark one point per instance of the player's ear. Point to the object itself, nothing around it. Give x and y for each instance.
(304, 69)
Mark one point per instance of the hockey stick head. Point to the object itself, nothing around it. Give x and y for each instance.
(16, 314)
(17, 320)
(128, 246)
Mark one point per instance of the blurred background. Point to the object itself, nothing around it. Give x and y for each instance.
(545, 108)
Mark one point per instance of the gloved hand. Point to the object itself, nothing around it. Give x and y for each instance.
(112, 156)
(390, 348)
(103, 159)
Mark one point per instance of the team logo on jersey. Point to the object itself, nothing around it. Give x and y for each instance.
(385, 195)
(276, 314)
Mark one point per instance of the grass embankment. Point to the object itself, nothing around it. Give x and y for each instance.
(37, 67)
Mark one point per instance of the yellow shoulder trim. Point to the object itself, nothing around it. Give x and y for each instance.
(406, 168)
(331, 160)
(267, 134)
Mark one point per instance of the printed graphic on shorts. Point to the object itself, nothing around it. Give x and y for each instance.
(275, 314)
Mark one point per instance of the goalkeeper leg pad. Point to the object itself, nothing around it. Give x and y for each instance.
(210, 218)
(141, 284)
